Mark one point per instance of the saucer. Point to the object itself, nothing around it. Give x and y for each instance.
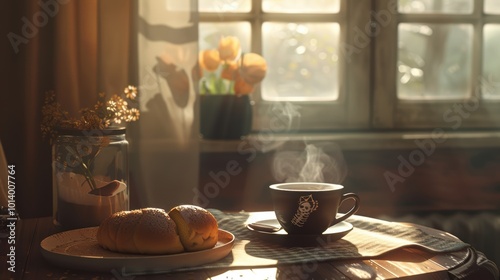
(331, 234)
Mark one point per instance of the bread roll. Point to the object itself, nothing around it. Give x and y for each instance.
(197, 228)
(144, 231)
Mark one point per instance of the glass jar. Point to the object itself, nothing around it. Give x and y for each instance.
(90, 176)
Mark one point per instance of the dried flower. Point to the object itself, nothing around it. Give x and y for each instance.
(133, 115)
(52, 115)
(102, 115)
(130, 92)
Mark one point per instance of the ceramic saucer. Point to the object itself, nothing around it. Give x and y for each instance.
(332, 234)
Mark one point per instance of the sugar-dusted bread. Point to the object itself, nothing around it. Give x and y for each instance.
(143, 231)
(197, 228)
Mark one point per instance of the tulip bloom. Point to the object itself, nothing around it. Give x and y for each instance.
(229, 48)
(230, 71)
(226, 70)
(209, 60)
(253, 68)
(241, 87)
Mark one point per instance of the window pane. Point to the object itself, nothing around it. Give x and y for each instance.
(302, 61)
(492, 6)
(436, 6)
(301, 6)
(211, 32)
(434, 61)
(227, 6)
(490, 83)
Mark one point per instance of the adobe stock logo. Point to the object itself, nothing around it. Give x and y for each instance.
(39, 19)
(361, 36)
(453, 117)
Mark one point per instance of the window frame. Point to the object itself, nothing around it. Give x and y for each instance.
(457, 114)
(352, 108)
(368, 92)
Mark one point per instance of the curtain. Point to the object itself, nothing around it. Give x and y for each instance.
(44, 53)
(166, 142)
(77, 49)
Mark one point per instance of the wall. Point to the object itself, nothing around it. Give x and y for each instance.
(450, 179)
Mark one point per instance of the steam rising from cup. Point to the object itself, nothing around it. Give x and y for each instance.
(322, 162)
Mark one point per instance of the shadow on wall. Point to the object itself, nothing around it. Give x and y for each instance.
(164, 143)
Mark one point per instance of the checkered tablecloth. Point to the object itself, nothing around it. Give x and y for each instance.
(369, 238)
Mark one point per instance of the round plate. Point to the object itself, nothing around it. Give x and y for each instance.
(333, 233)
(78, 249)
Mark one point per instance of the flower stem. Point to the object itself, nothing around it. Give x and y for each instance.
(89, 177)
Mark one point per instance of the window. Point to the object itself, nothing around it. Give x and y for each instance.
(445, 71)
(308, 48)
(367, 65)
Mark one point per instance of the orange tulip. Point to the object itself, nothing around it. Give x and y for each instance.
(253, 68)
(229, 48)
(209, 60)
(230, 71)
(241, 87)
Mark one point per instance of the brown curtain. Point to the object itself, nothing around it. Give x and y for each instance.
(77, 48)
(75, 54)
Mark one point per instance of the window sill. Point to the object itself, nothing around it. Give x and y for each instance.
(360, 140)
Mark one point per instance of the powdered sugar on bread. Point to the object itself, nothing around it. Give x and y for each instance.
(153, 231)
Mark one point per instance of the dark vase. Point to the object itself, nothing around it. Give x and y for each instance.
(225, 116)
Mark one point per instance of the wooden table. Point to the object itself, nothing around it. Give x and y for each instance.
(410, 263)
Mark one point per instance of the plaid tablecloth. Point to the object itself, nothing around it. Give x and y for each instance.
(369, 238)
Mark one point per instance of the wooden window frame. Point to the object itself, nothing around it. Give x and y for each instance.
(352, 109)
(457, 114)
